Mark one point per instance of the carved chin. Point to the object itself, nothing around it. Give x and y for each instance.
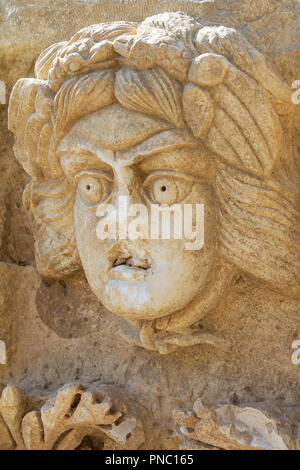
(138, 300)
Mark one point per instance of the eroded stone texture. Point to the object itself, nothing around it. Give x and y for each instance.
(183, 107)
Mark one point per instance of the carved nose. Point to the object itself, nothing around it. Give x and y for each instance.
(127, 183)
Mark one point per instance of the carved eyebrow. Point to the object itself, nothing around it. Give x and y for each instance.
(74, 160)
(160, 142)
(166, 140)
(78, 153)
(80, 145)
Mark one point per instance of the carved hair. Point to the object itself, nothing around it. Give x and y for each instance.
(208, 79)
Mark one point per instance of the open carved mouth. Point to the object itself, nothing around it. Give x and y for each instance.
(129, 267)
(132, 261)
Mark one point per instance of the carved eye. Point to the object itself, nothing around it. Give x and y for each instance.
(94, 187)
(167, 189)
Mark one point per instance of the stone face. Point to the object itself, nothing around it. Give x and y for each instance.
(121, 123)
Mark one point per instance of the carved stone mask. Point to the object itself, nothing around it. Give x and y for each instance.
(163, 116)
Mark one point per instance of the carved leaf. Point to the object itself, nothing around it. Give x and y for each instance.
(234, 428)
(80, 96)
(65, 420)
(12, 409)
(32, 430)
(6, 440)
(150, 92)
(198, 109)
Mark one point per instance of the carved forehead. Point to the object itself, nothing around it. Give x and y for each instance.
(78, 142)
(169, 148)
(116, 128)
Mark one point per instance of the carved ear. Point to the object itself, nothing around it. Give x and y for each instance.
(245, 130)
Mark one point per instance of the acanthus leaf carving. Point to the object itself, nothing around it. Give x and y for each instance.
(231, 427)
(63, 422)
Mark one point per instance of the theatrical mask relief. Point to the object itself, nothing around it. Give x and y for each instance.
(162, 172)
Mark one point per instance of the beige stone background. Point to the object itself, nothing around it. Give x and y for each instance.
(57, 332)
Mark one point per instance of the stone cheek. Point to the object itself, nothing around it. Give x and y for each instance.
(125, 117)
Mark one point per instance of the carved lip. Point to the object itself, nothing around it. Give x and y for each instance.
(130, 268)
(128, 273)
